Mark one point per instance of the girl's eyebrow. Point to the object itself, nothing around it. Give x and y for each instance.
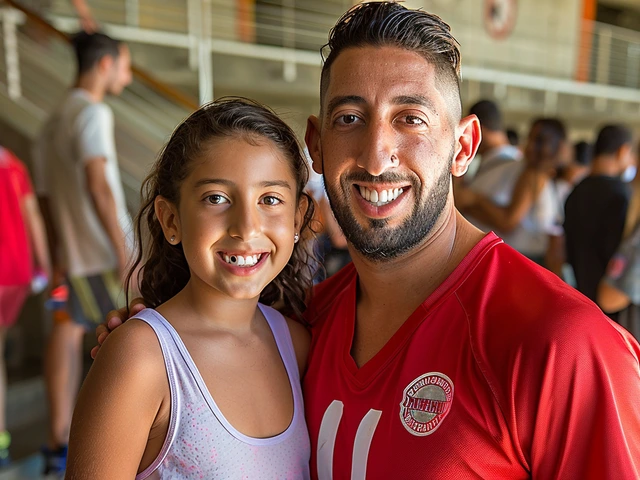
(229, 183)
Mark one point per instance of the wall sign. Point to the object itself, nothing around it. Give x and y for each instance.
(500, 17)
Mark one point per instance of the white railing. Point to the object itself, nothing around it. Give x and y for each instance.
(594, 52)
(36, 73)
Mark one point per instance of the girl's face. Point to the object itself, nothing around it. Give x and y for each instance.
(237, 216)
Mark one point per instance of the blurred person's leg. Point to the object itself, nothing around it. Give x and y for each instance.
(63, 359)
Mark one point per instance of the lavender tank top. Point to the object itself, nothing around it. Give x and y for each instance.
(200, 442)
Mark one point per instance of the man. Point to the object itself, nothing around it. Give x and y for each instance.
(441, 352)
(595, 211)
(79, 183)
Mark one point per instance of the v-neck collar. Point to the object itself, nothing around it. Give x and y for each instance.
(363, 376)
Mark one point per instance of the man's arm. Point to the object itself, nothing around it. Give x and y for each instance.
(37, 233)
(506, 219)
(105, 206)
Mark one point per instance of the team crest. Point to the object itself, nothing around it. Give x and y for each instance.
(425, 403)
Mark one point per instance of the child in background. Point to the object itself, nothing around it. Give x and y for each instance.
(24, 259)
(206, 384)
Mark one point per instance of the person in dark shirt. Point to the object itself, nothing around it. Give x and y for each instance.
(596, 209)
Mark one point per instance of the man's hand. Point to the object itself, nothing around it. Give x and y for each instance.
(115, 318)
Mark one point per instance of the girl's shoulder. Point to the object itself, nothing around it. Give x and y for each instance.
(134, 348)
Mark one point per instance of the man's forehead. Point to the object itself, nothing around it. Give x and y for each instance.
(389, 72)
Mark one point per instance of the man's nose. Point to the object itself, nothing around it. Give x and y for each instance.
(380, 153)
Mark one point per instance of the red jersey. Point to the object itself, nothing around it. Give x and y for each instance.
(15, 251)
(504, 372)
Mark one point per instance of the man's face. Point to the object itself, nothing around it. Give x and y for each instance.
(386, 134)
(120, 72)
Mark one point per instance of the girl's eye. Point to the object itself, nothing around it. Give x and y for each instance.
(216, 199)
(271, 200)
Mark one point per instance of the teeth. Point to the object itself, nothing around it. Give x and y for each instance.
(380, 198)
(240, 261)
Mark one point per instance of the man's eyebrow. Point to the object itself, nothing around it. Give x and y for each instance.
(346, 99)
(414, 100)
(229, 183)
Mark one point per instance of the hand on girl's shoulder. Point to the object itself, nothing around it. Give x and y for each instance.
(301, 339)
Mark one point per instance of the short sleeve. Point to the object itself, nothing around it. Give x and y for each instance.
(94, 132)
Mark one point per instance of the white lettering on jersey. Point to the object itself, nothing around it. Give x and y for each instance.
(362, 443)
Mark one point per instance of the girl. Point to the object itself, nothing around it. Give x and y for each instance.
(207, 383)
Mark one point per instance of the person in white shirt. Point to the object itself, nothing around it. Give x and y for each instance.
(78, 181)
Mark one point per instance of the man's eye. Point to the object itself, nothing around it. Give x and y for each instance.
(347, 119)
(270, 200)
(216, 199)
(413, 120)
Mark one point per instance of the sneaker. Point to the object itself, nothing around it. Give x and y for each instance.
(55, 461)
(5, 443)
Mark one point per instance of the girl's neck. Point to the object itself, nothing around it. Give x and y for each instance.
(198, 303)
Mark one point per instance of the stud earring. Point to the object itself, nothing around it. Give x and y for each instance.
(172, 239)
(296, 237)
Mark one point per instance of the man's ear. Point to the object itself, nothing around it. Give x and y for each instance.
(167, 215)
(312, 139)
(105, 64)
(468, 138)
(625, 153)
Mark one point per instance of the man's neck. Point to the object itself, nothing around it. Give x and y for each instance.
(492, 141)
(389, 292)
(93, 86)
(604, 167)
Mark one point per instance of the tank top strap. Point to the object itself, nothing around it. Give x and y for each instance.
(170, 352)
(282, 335)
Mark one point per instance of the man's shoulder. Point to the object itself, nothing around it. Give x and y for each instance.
(514, 305)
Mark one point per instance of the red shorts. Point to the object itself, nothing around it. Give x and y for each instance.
(12, 298)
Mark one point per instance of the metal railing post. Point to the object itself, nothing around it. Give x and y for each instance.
(604, 55)
(290, 69)
(132, 13)
(11, 58)
(194, 14)
(205, 63)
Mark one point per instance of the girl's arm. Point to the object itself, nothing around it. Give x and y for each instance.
(117, 406)
(37, 233)
(506, 219)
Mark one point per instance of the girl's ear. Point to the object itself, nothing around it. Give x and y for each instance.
(167, 214)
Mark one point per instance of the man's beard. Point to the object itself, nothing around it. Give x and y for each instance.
(380, 242)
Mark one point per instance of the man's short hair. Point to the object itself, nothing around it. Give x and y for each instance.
(489, 115)
(388, 23)
(90, 48)
(513, 137)
(582, 153)
(611, 138)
